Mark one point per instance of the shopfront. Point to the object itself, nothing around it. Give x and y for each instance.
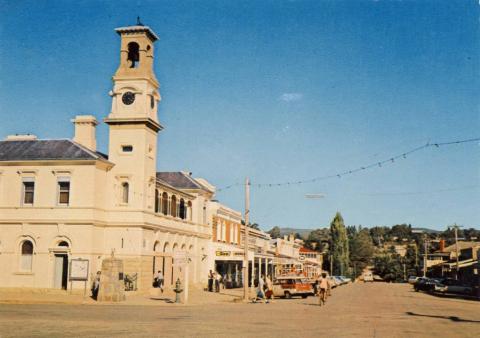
(229, 264)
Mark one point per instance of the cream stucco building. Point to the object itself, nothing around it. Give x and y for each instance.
(62, 199)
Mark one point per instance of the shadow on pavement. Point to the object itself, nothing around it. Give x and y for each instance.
(452, 318)
(166, 300)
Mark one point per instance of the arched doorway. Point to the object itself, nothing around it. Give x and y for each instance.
(60, 276)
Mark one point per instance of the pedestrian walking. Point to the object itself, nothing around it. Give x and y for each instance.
(210, 281)
(269, 286)
(261, 290)
(322, 286)
(159, 280)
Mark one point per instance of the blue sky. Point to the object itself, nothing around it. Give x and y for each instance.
(277, 91)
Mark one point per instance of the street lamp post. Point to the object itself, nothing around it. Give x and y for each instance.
(245, 257)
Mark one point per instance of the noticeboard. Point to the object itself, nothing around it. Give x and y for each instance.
(79, 269)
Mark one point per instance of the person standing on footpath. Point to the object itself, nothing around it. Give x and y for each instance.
(218, 277)
(210, 281)
(96, 285)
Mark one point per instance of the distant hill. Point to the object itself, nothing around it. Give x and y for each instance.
(426, 230)
(303, 232)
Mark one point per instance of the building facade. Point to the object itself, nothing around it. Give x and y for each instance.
(62, 199)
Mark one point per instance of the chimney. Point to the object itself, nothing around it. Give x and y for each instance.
(442, 245)
(85, 131)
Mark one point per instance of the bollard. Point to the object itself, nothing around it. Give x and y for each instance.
(178, 289)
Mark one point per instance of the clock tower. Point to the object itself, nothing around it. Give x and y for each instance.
(133, 120)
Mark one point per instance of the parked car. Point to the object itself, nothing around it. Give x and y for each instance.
(427, 284)
(292, 286)
(346, 280)
(338, 280)
(450, 285)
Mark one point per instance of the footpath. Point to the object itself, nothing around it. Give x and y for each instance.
(153, 297)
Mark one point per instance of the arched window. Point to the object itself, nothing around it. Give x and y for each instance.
(165, 203)
(125, 192)
(133, 54)
(182, 210)
(63, 243)
(157, 202)
(173, 206)
(27, 254)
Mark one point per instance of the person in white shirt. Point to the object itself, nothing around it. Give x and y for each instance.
(160, 279)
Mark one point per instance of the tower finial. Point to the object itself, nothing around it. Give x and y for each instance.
(139, 23)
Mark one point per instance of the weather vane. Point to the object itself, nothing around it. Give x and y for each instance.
(138, 21)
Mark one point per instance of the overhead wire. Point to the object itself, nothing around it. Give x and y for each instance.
(379, 164)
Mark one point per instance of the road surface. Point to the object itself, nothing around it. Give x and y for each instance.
(355, 310)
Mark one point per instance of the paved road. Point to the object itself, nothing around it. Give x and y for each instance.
(359, 310)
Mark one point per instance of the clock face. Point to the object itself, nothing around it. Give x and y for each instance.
(152, 102)
(128, 98)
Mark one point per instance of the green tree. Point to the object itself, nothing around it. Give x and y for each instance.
(339, 245)
(389, 267)
(361, 250)
(317, 238)
(275, 232)
(401, 231)
(378, 235)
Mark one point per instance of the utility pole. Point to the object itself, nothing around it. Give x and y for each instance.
(455, 226)
(425, 257)
(245, 257)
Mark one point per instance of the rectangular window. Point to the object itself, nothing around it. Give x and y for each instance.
(63, 191)
(127, 148)
(28, 190)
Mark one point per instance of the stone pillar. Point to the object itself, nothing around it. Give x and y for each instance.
(112, 286)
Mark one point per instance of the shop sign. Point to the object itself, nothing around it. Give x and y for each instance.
(237, 253)
(222, 253)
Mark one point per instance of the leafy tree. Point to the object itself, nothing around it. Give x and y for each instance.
(275, 232)
(401, 231)
(411, 260)
(379, 234)
(316, 239)
(361, 250)
(389, 267)
(339, 245)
